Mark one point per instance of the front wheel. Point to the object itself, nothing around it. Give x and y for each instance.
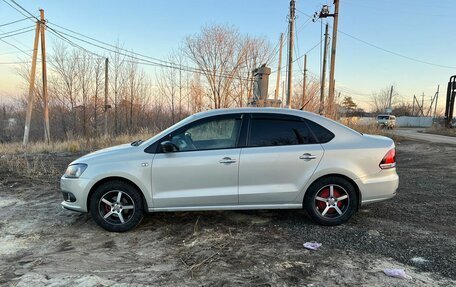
(116, 206)
(331, 201)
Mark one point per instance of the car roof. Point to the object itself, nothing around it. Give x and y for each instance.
(254, 110)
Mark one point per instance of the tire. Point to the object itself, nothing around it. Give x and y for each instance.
(114, 215)
(330, 210)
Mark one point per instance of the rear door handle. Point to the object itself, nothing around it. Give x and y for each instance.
(307, 156)
(227, 160)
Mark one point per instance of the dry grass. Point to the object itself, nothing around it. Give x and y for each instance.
(373, 129)
(34, 160)
(36, 166)
(439, 130)
(72, 145)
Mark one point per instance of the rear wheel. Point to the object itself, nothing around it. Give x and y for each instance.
(331, 201)
(116, 206)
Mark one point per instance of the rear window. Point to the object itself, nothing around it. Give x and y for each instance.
(277, 132)
(322, 134)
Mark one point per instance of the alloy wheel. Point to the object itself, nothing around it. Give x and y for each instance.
(116, 207)
(331, 201)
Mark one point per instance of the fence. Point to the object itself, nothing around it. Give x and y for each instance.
(422, 122)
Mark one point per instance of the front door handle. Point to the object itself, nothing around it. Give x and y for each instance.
(227, 160)
(308, 156)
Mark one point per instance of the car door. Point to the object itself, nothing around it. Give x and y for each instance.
(280, 157)
(203, 169)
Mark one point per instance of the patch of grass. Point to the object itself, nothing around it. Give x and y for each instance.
(439, 130)
(73, 145)
(35, 161)
(29, 165)
(374, 129)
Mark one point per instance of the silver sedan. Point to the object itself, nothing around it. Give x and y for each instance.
(233, 159)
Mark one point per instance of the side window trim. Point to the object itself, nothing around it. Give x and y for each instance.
(239, 116)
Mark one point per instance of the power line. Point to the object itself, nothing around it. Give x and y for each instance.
(15, 34)
(101, 42)
(138, 59)
(12, 45)
(164, 64)
(58, 35)
(387, 50)
(131, 54)
(17, 30)
(14, 22)
(22, 8)
(276, 49)
(12, 52)
(397, 54)
(17, 62)
(302, 56)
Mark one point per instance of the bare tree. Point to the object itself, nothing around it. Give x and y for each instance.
(65, 81)
(167, 85)
(380, 100)
(311, 100)
(98, 78)
(117, 83)
(196, 95)
(84, 66)
(218, 52)
(256, 53)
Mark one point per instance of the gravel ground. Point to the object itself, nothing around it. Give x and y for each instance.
(41, 244)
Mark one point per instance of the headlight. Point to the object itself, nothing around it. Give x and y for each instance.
(75, 170)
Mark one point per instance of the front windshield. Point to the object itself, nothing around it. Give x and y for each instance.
(168, 130)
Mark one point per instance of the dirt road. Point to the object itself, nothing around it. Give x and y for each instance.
(41, 244)
(416, 134)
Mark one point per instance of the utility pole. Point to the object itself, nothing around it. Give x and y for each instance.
(420, 108)
(323, 76)
(324, 13)
(436, 99)
(276, 95)
(106, 98)
(28, 116)
(390, 98)
(290, 52)
(304, 81)
(413, 106)
(422, 104)
(47, 134)
(333, 59)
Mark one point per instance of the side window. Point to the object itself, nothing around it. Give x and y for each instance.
(323, 135)
(215, 134)
(278, 132)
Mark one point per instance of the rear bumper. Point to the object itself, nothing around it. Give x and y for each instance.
(380, 187)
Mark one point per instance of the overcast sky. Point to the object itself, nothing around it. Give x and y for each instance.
(420, 29)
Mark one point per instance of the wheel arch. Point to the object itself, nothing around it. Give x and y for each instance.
(358, 192)
(116, 178)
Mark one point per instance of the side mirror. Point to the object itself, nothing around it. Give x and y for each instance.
(168, 146)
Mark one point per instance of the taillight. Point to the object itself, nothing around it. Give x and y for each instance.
(389, 160)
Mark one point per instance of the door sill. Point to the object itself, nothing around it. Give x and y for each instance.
(227, 207)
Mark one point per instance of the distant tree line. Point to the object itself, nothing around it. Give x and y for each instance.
(211, 69)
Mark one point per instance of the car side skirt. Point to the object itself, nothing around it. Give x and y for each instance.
(227, 207)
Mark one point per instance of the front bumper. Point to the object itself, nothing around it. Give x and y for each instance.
(79, 188)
